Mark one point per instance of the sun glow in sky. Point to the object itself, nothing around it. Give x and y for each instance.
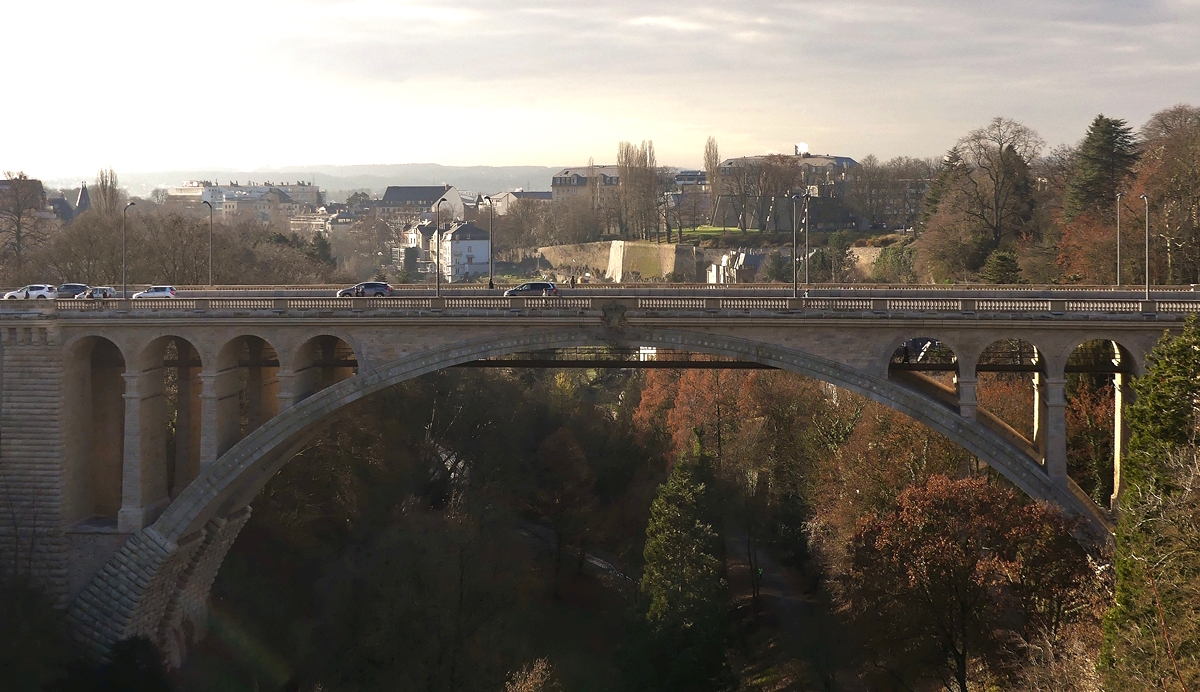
(143, 85)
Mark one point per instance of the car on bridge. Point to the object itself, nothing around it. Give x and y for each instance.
(71, 290)
(533, 288)
(367, 289)
(156, 292)
(32, 291)
(97, 293)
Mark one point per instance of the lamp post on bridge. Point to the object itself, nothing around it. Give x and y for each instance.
(124, 282)
(210, 215)
(491, 208)
(1146, 199)
(795, 256)
(437, 245)
(1119, 195)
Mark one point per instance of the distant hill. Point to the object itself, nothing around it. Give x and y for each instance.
(339, 181)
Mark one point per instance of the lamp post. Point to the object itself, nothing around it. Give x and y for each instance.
(1119, 195)
(491, 207)
(1146, 199)
(437, 245)
(807, 197)
(124, 283)
(210, 215)
(795, 236)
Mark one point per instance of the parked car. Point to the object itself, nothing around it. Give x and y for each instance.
(156, 292)
(533, 288)
(71, 290)
(367, 289)
(97, 293)
(38, 291)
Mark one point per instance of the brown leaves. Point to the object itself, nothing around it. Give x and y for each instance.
(960, 572)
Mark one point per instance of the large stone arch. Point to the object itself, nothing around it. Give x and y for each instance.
(171, 564)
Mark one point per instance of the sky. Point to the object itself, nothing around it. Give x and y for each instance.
(146, 86)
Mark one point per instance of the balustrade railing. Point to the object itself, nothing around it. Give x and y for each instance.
(657, 304)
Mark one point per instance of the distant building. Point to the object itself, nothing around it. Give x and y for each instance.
(23, 203)
(826, 179)
(84, 201)
(823, 175)
(409, 199)
(575, 183)
(278, 201)
(502, 200)
(685, 178)
(463, 252)
(736, 266)
(270, 206)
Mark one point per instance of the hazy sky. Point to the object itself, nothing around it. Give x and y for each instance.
(167, 85)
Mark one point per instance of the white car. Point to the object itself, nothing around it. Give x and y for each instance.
(39, 291)
(97, 293)
(157, 292)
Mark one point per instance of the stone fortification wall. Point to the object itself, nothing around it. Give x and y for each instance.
(565, 258)
(622, 260)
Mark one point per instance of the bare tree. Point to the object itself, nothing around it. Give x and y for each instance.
(712, 171)
(777, 176)
(997, 194)
(107, 197)
(22, 225)
(739, 182)
(640, 194)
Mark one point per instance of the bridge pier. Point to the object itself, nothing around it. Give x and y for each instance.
(1050, 425)
(208, 417)
(1122, 396)
(967, 400)
(143, 471)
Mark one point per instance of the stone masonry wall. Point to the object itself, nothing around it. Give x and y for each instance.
(32, 541)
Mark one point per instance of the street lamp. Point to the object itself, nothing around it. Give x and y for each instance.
(1119, 195)
(807, 197)
(437, 258)
(1146, 199)
(124, 284)
(795, 235)
(210, 214)
(491, 208)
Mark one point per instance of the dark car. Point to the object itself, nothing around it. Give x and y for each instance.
(533, 288)
(71, 290)
(367, 289)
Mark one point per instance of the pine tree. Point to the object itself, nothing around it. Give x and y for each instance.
(951, 168)
(1152, 634)
(1001, 268)
(684, 582)
(1106, 159)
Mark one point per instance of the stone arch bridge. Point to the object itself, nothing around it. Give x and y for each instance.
(135, 434)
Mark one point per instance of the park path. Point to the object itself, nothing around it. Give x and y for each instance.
(803, 616)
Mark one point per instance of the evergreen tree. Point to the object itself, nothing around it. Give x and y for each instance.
(684, 582)
(1106, 159)
(1152, 634)
(951, 168)
(1001, 268)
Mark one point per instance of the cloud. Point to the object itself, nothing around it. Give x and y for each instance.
(670, 23)
(534, 81)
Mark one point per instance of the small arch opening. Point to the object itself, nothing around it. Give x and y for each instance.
(94, 411)
(1008, 374)
(321, 362)
(171, 414)
(1098, 374)
(247, 388)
